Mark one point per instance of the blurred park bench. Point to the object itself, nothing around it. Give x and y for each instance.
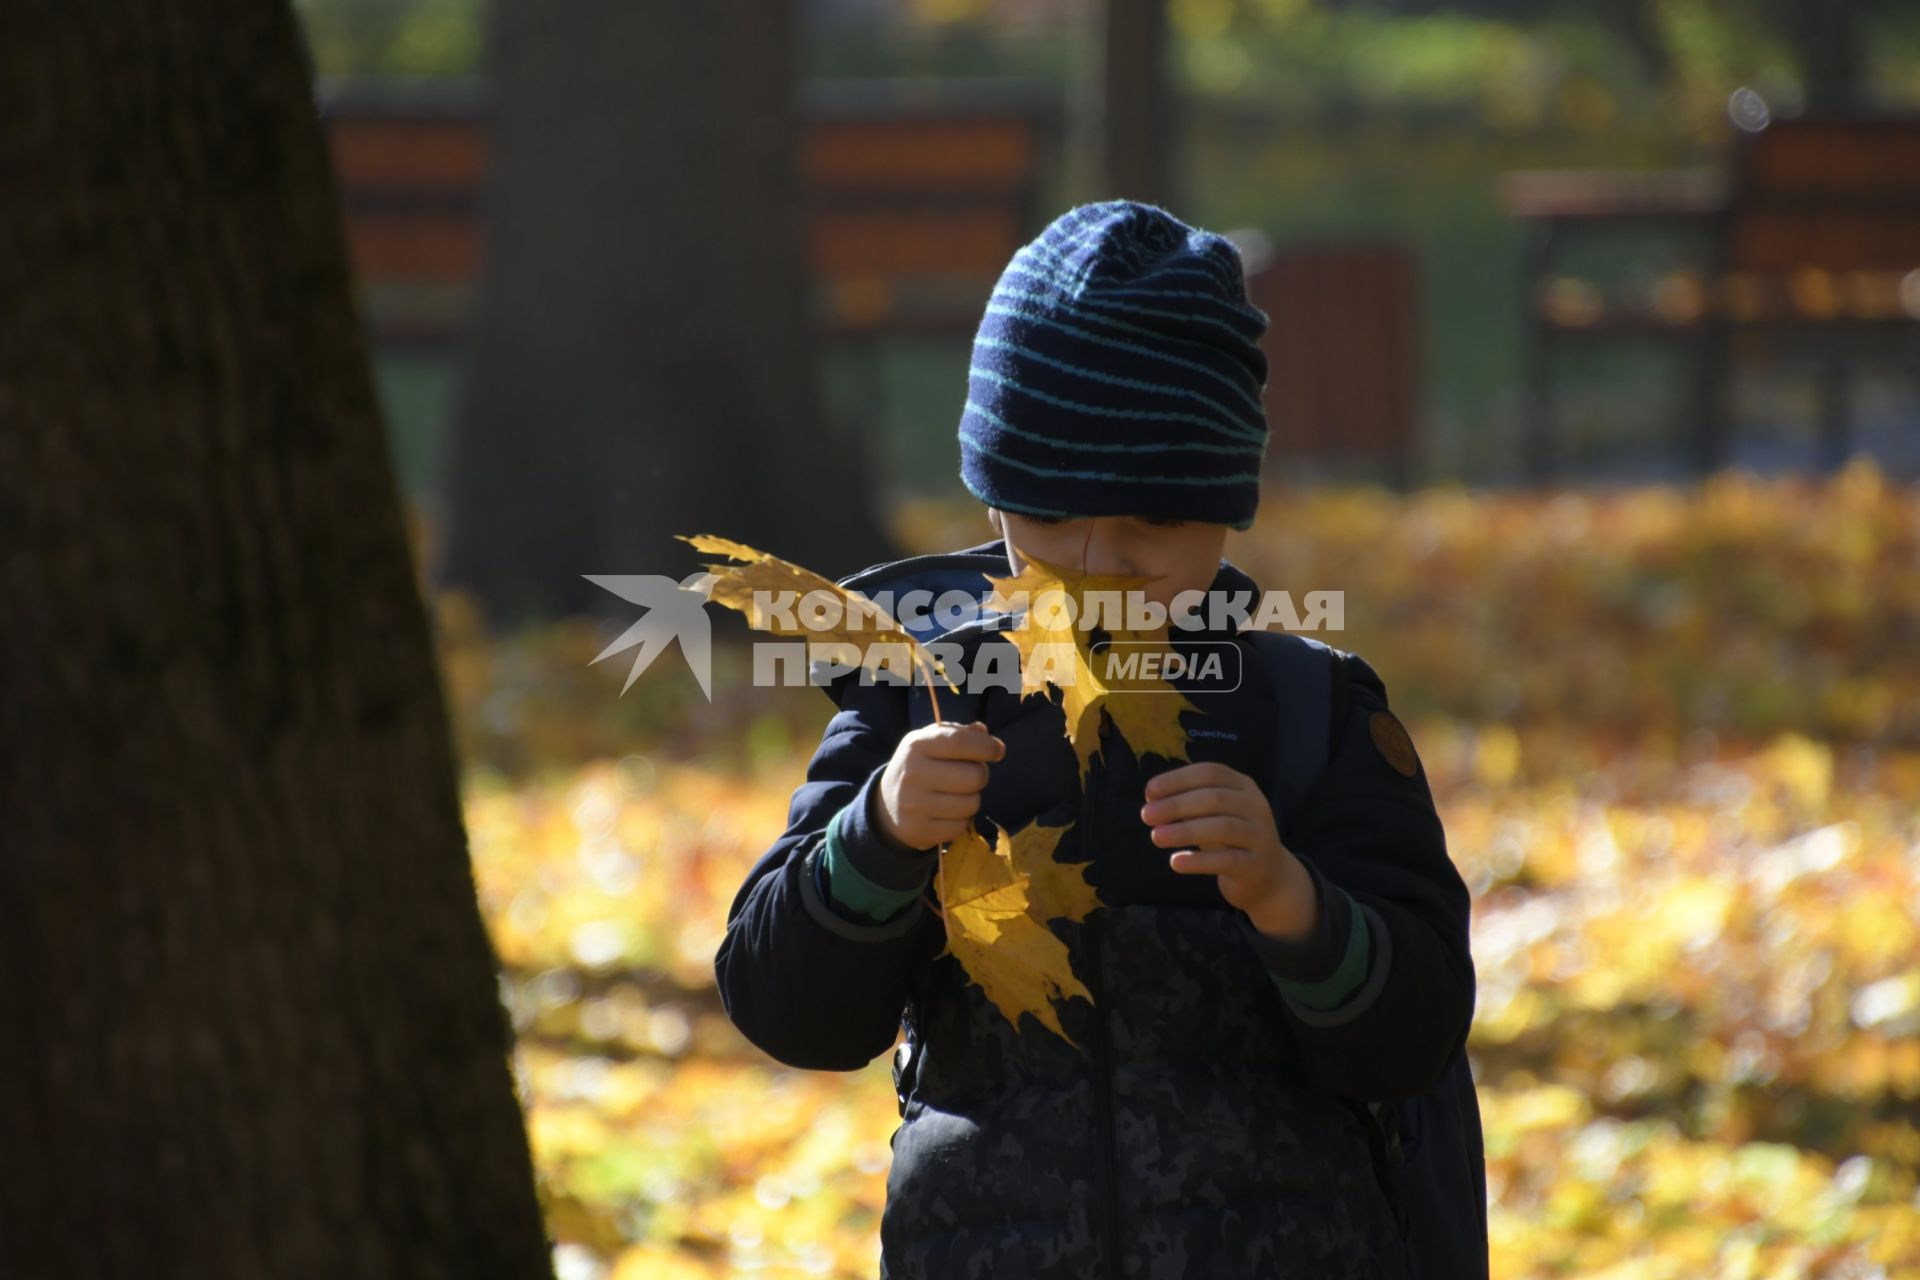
(914, 200)
(1343, 352)
(1805, 248)
(915, 196)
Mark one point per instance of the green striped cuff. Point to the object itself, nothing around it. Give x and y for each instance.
(1346, 978)
(850, 889)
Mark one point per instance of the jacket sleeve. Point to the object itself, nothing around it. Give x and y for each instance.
(809, 981)
(1400, 971)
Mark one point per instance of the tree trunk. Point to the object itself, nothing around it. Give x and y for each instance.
(251, 1015)
(641, 362)
(1825, 34)
(1137, 104)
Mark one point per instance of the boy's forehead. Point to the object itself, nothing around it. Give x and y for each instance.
(1110, 515)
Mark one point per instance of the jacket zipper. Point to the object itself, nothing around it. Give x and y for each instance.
(1107, 1155)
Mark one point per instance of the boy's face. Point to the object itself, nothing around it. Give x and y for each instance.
(1177, 555)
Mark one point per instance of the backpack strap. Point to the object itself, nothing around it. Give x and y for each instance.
(1313, 684)
(1438, 1186)
(1339, 699)
(1385, 1115)
(1300, 671)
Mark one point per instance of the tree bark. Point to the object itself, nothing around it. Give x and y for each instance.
(251, 1015)
(642, 359)
(1826, 36)
(1137, 104)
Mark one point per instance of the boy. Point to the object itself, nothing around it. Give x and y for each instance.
(1255, 976)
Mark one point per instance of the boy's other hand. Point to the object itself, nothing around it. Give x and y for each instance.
(931, 787)
(1219, 822)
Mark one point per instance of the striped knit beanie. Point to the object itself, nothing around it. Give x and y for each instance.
(1117, 371)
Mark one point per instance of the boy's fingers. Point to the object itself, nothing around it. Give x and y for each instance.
(1191, 804)
(1215, 831)
(958, 777)
(964, 742)
(948, 832)
(1208, 773)
(946, 805)
(1209, 861)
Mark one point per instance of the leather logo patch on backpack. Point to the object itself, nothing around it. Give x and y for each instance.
(1390, 736)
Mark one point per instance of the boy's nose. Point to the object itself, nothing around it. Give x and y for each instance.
(1105, 552)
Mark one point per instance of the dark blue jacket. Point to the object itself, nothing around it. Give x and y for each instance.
(1215, 1124)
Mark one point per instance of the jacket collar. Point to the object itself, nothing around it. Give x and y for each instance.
(1230, 577)
(966, 569)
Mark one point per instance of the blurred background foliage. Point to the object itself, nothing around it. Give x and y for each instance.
(1511, 64)
(1305, 119)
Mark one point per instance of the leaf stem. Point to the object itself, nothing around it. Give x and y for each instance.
(940, 878)
(932, 692)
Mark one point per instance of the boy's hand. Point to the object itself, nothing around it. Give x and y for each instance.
(1221, 824)
(931, 788)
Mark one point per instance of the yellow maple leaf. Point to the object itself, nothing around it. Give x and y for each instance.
(1147, 718)
(996, 903)
(862, 624)
(1052, 642)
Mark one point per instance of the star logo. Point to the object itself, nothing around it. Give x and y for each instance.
(674, 611)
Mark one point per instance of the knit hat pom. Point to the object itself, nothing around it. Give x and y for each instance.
(1117, 371)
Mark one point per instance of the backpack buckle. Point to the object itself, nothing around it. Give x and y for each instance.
(902, 1067)
(1386, 1117)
